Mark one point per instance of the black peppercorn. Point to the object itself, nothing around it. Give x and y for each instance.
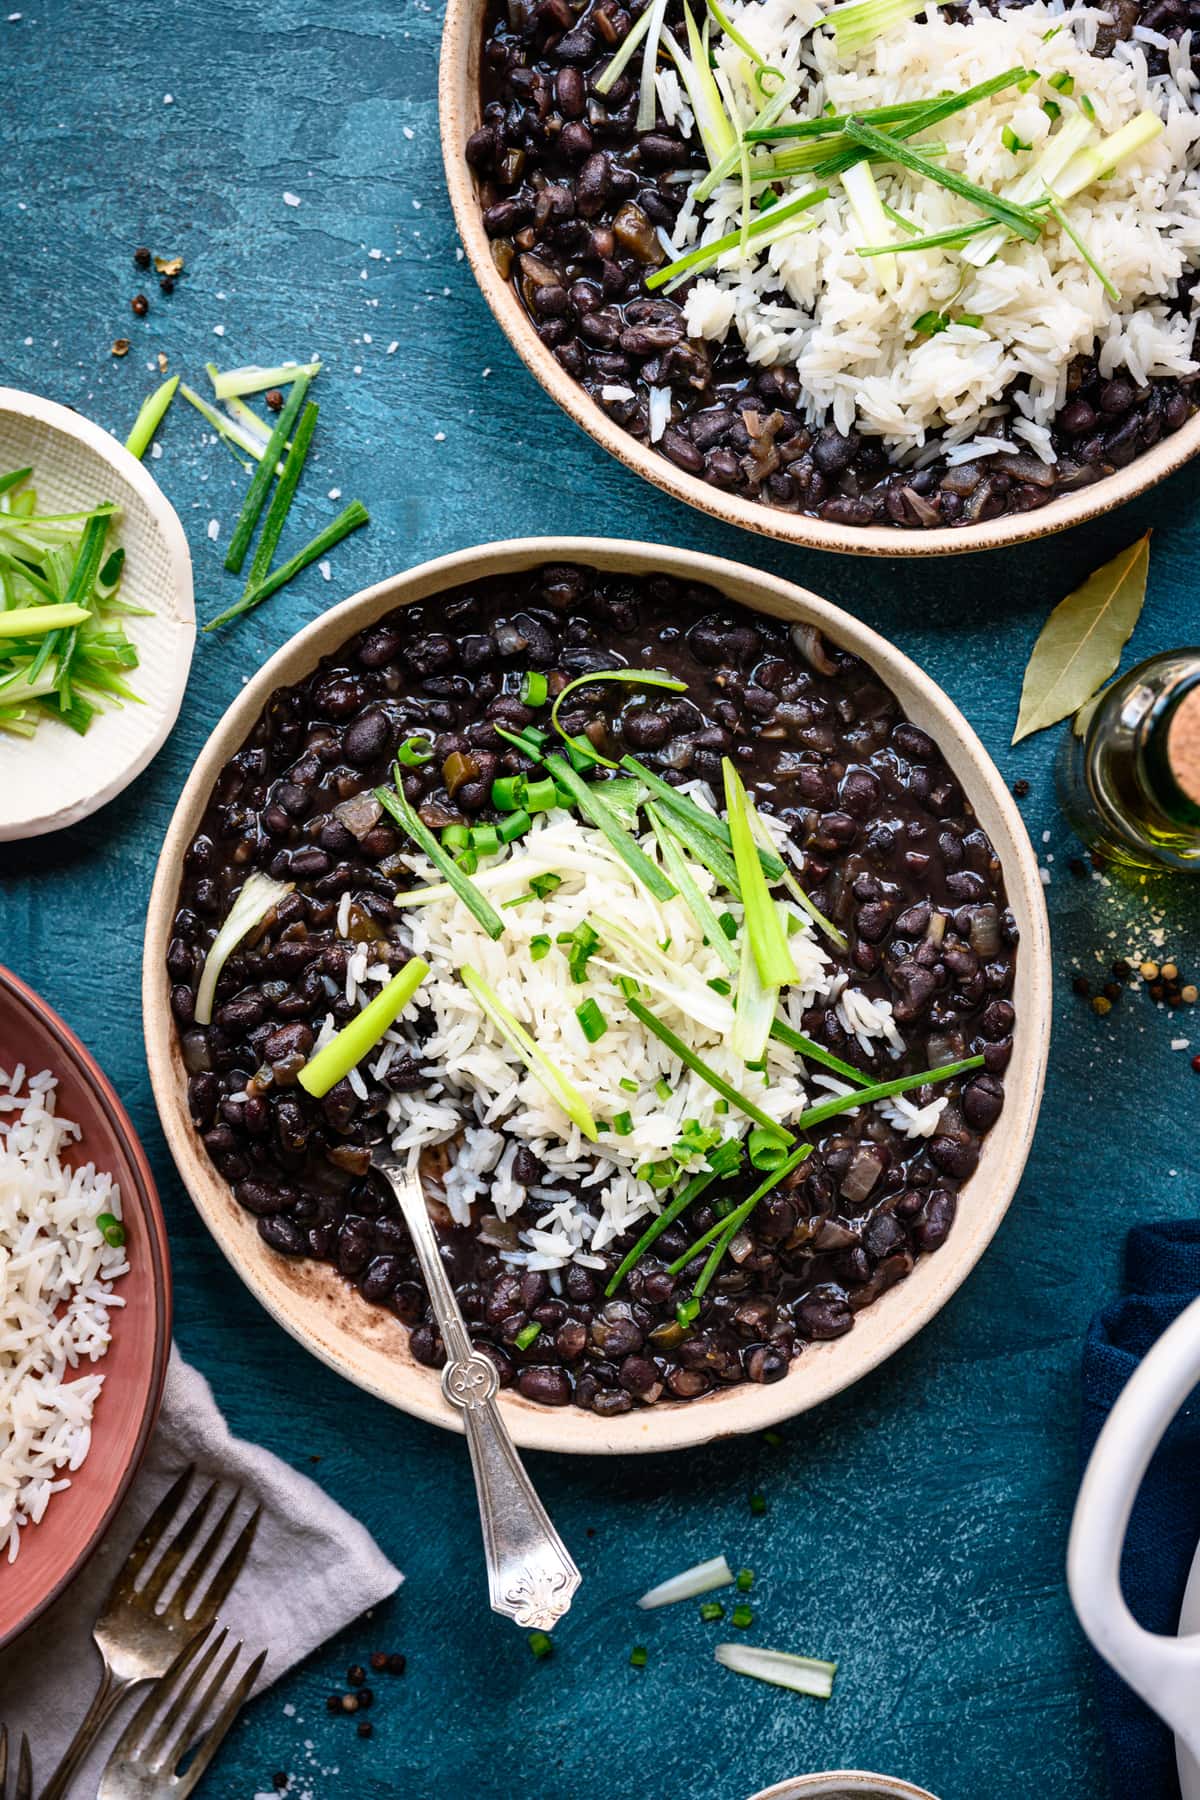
(366, 1697)
(167, 284)
(365, 1728)
(1081, 985)
(274, 400)
(141, 257)
(379, 1661)
(1020, 788)
(396, 1664)
(140, 305)
(356, 1674)
(279, 1780)
(334, 1703)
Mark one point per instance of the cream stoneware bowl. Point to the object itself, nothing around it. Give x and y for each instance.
(844, 1784)
(57, 777)
(459, 108)
(370, 1346)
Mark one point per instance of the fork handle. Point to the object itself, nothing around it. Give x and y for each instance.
(108, 1696)
(531, 1576)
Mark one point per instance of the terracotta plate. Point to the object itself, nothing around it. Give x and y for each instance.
(370, 1345)
(136, 1365)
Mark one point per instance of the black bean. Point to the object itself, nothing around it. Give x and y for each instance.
(547, 1385)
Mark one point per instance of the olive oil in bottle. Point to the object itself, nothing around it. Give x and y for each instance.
(1129, 774)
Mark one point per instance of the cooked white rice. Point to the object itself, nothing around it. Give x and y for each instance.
(480, 1088)
(56, 1279)
(811, 301)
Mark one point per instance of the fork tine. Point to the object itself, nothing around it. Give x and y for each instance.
(200, 1563)
(152, 1588)
(24, 1772)
(190, 1723)
(220, 1727)
(151, 1532)
(127, 1745)
(154, 1753)
(228, 1572)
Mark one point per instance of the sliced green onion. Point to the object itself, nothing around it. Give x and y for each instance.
(226, 428)
(257, 898)
(860, 22)
(632, 39)
(672, 1211)
(1002, 212)
(1062, 83)
(507, 792)
(150, 417)
(636, 677)
(540, 1643)
(1106, 282)
(766, 843)
(539, 946)
(111, 1230)
(485, 840)
(513, 826)
(742, 1616)
(647, 99)
(661, 1088)
(706, 1073)
(802, 1674)
(702, 1579)
(15, 478)
(1012, 142)
(882, 1090)
(454, 837)
(754, 1008)
(348, 520)
(622, 1123)
(394, 801)
(595, 809)
(762, 120)
(763, 922)
(833, 124)
(33, 621)
(952, 238)
(415, 751)
(712, 122)
(564, 1092)
(592, 1021)
(545, 885)
(766, 1151)
(745, 1580)
(704, 255)
(637, 1656)
(260, 481)
(534, 688)
(1043, 173)
(697, 903)
(814, 1052)
(945, 107)
(744, 45)
(1098, 161)
(528, 1334)
(725, 1230)
(541, 796)
(231, 384)
(711, 1611)
(334, 1061)
(867, 207)
(688, 812)
(281, 499)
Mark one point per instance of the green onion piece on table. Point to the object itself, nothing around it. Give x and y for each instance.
(763, 922)
(260, 481)
(394, 802)
(257, 898)
(281, 499)
(348, 520)
(235, 435)
(708, 1074)
(564, 1092)
(231, 384)
(150, 417)
(689, 1584)
(334, 1061)
(802, 1674)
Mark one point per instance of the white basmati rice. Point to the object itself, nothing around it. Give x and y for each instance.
(812, 301)
(56, 1278)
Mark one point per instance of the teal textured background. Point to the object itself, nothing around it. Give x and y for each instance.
(916, 1526)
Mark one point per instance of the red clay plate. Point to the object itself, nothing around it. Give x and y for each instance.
(136, 1364)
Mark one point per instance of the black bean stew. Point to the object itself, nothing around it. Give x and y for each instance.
(572, 194)
(893, 853)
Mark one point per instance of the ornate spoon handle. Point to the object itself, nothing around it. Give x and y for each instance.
(531, 1576)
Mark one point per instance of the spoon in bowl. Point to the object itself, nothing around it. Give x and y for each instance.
(531, 1576)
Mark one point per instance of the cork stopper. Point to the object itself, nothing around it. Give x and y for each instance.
(1183, 745)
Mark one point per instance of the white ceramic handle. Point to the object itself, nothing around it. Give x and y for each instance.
(1165, 1671)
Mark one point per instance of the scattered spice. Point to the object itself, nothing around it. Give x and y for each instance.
(1082, 986)
(1149, 971)
(366, 1698)
(140, 305)
(161, 360)
(1196, 1064)
(279, 1781)
(1169, 972)
(141, 257)
(1189, 994)
(1101, 1005)
(274, 400)
(365, 1728)
(169, 265)
(349, 1703)
(333, 1703)
(379, 1661)
(356, 1675)
(120, 347)
(758, 1504)
(167, 284)
(1078, 867)
(1020, 788)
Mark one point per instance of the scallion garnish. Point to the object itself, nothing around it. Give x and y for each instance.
(763, 921)
(608, 76)
(638, 677)
(113, 1233)
(534, 688)
(485, 840)
(1064, 224)
(394, 801)
(716, 1573)
(860, 22)
(231, 384)
(260, 481)
(592, 1021)
(257, 897)
(1012, 142)
(528, 1334)
(150, 417)
(622, 1123)
(589, 798)
(725, 1230)
(539, 946)
(564, 1092)
(630, 1086)
(637, 1656)
(227, 429)
(541, 796)
(1017, 219)
(722, 1163)
(1062, 83)
(706, 1072)
(814, 1052)
(882, 1090)
(766, 1150)
(802, 1674)
(745, 1580)
(697, 903)
(513, 826)
(344, 1051)
(348, 520)
(540, 1643)
(544, 885)
(704, 255)
(742, 1616)
(944, 107)
(711, 1611)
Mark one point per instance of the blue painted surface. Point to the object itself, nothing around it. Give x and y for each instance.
(916, 1526)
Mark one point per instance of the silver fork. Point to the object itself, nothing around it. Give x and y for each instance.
(23, 1779)
(136, 1641)
(531, 1577)
(144, 1764)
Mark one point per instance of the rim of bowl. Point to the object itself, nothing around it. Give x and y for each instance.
(165, 520)
(459, 112)
(860, 1781)
(384, 1367)
(88, 1070)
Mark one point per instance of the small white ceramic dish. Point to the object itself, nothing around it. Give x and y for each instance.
(1165, 1671)
(844, 1784)
(58, 777)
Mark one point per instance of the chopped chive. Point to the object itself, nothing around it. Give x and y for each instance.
(467, 861)
(1064, 224)
(726, 1229)
(745, 1577)
(394, 801)
(260, 481)
(32, 621)
(541, 796)
(485, 840)
(622, 1123)
(973, 320)
(231, 384)
(281, 499)
(719, 986)
(110, 1229)
(527, 1335)
(1062, 83)
(513, 826)
(348, 520)
(706, 1073)
(758, 1504)
(766, 1150)
(456, 837)
(814, 1052)
(534, 688)
(951, 238)
(706, 254)
(347, 1048)
(539, 1065)
(508, 793)
(540, 1643)
(711, 1610)
(1052, 110)
(1016, 219)
(882, 1090)
(697, 903)
(592, 1022)
(597, 812)
(661, 1088)
(414, 751)
(742, 1616)
(150, 417)
(637, 1656)
(928, 324)
(544, 885)
(631, 1087)
(640, 677)
(1011, 141)
(764, 925)
(722, 1163)
(539, 946)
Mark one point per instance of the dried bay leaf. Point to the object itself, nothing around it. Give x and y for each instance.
(1080, 645)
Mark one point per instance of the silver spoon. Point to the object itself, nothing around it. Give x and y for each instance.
(531, 1576)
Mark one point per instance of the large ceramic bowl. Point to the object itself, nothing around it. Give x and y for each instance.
(369, 1345)
(459, 104)
(136, 1364)
(843, 1784)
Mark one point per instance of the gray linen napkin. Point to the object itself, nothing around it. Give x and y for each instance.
(313, 1570)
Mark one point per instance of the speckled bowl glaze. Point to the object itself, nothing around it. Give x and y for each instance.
(844, 1784)
(459, 107)
(136, 1364)
(370, 1346)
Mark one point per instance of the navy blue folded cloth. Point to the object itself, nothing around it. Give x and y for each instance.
(1162, 1275)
